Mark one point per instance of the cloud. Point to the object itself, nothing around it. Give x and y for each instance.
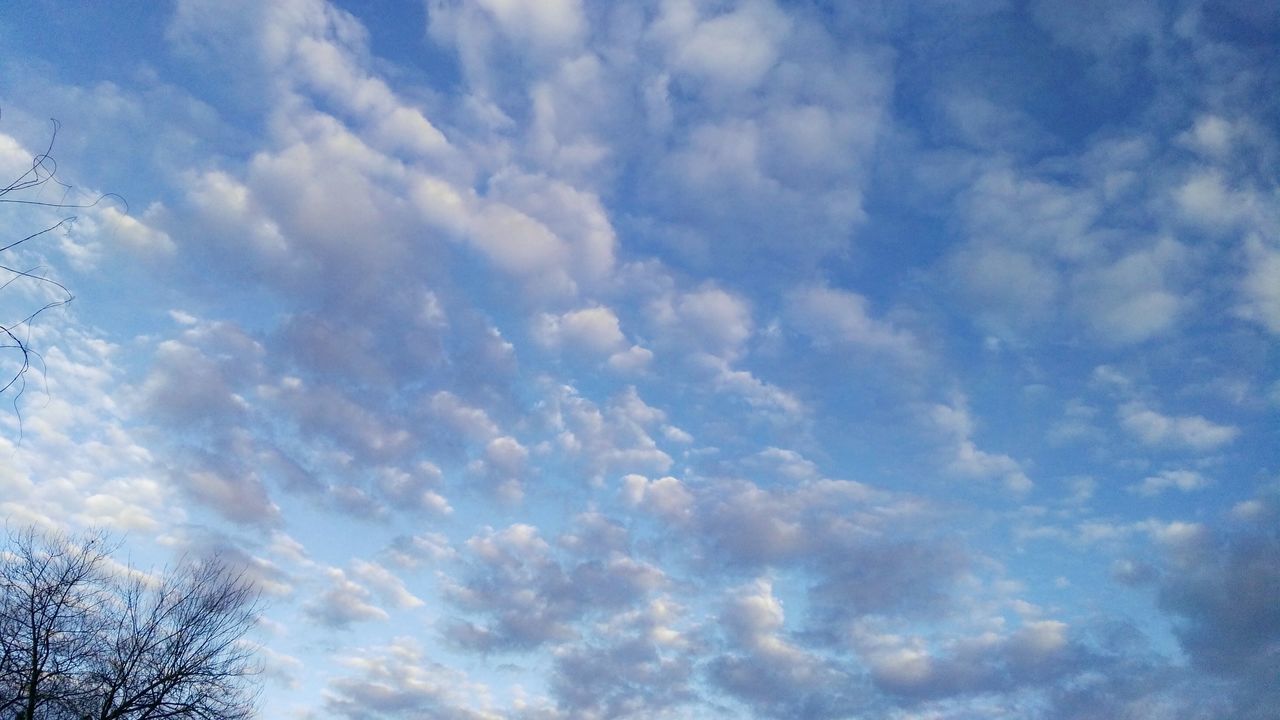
(744, 524)
(594, 329)
(344, 601)
(225, 477)
(537, 28)
(666, 496)
(1131, 300)
(396, 680)
(412, 551)
(1224, 593)
(137, 236)
(272, 568)
(1037, 652)
(633, 360)
(616, 438)
(76, 456)
(472, 423)
(502, 467)
(199, 379)
(866, 552)
(966, 458)
(389, 587)
(771, 401)
(1206, 199)
(1117, 29)
(641, 665)
(324, 411)
(413, 489)
(579, 255)
(555, 237)
(839, 319)
(901, 577)
(771, 675)
(1191, 432)
(1000, 280)
(710, 319)
(529, 597)
(1184, 480)
(1260, 283)
(730, 52)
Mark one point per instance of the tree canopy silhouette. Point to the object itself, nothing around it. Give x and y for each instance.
(81, 642)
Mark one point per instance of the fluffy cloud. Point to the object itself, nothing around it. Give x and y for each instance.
(344, 601)
(396, 680)
(1131, 300)
(966, 458)
(594, 329)
(615, 438)
(771, 675)
(1184, 480)
(711, 320)
(503, 467)
(1037, 651)
(641, 665)
(1192, 432)
(1260, 283)
(838, 318)
(530, 597)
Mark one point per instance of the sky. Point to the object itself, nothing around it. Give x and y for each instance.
(564, 359)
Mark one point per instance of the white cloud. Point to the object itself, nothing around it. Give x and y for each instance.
(666, 497)
(1184, 480)
(763, 668)
(554, 237)
(412, 489)
(1132, 299)
(545, 23)
(1211, 135)
(412, 551)
(616, 438)
(397, 679)
(730, 51)
(1261, 284)
(840, 318)
(343, 602)
(594, 329)
(389, 587)
(503, 467)
(710, 319)
(770, 400)
(473, 423)
(1207, 199)
(966, 459)
(1189, 431)
(1011, 287)
(137, 236)
(634, 359)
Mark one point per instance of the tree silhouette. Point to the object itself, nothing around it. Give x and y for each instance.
(78, 642)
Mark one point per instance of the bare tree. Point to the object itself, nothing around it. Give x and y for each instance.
(15, 332)
(177, 650)
(52, 589)
(80, 643)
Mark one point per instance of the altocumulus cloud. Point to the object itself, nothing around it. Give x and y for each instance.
(570, 360)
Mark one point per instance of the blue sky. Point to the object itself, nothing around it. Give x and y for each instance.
(673, 359)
